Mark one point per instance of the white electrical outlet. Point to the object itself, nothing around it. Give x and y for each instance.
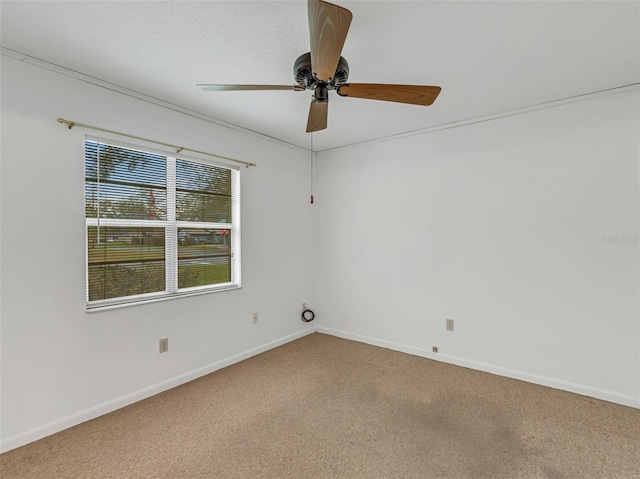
(255, 318)
(435, 349)
(164, 345)
(449, 324)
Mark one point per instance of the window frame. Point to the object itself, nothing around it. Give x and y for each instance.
(171, 226)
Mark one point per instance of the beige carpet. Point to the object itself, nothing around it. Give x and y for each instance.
(323, 407)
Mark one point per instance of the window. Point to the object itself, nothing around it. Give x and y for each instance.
(158, 226)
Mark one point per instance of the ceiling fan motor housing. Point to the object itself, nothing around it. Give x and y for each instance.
(304, 75)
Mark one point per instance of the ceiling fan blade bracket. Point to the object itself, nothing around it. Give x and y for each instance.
(341, 93)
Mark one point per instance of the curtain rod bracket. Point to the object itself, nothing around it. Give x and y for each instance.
(66, 122)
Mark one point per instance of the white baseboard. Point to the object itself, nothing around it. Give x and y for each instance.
(79, 417)
(605, 395)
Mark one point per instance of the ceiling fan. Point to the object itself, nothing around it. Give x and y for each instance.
(323, 69)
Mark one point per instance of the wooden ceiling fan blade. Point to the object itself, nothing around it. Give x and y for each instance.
(413, 94)
(220, 87)
(328, 27)
(318, 113)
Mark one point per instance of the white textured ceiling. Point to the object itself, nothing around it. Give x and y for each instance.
(488, 57)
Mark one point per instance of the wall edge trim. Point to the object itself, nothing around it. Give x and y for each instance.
(61, 70)
(58, 425)
(494, 116)
(610, 396)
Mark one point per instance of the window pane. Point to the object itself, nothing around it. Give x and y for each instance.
(203, 192)
(204, 257)
(125, 261)
(123, 183)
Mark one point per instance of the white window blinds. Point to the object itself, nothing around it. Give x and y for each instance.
(158, 226)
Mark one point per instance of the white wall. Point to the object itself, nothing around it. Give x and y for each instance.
(61, 366)
(498, 225)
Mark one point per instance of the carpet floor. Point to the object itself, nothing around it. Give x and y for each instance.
(324, 407)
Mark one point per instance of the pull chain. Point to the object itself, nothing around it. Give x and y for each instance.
(311, 167)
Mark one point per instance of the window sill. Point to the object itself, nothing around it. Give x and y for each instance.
(139, 302)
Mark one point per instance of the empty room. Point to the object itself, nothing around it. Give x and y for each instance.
(291, 239)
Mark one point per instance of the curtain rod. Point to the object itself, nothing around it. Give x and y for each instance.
(71, 124)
